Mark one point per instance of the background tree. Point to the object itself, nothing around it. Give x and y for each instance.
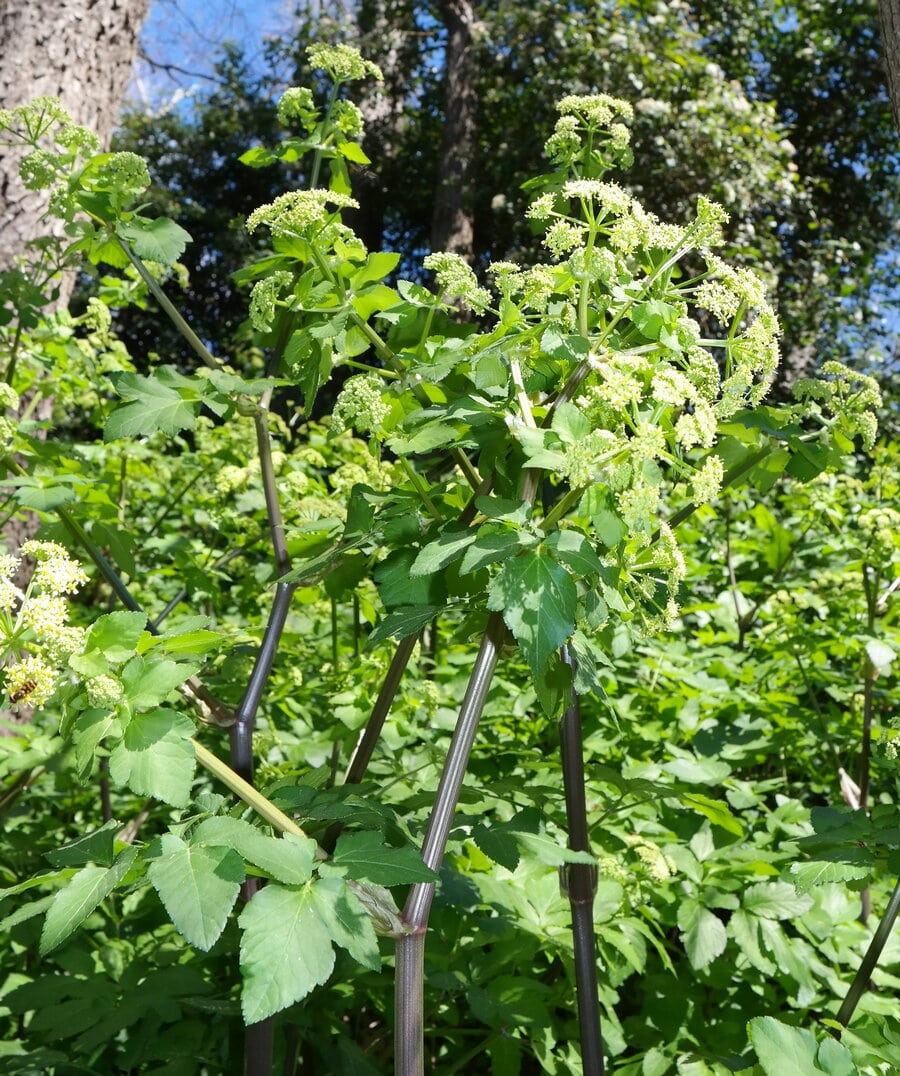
(81, 51)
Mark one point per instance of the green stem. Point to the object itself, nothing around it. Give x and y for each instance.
(247, 793)
(177, 320)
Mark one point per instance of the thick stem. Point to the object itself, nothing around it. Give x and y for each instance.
(861, 980)
(409, 992)
(580, 884)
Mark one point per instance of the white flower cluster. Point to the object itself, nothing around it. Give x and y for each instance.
(298, 212)
(35, 635)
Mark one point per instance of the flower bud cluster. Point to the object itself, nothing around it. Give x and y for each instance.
(360, 405)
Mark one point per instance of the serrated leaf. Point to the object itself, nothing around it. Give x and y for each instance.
(716, 811)
(548, 850)
(538, 598)
(775, 900)
(288, 859)
(494, 544)
(197, 886)
(397, 587)
(366, 855)
(160, 240)
(189, 642)
(408, 620)
(96, 847)
(151, 406)
(147, 681)
(156, 757)
(702, 933)
(575, 551)
(346, 921)
(497, 844)
(818, 872)
(86, 889)
(281, 966)
(783, 1050)
(445, 549)
(116, 635)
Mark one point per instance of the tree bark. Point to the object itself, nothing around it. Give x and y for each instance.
(81, 51)
(889, 19)
(452, 226)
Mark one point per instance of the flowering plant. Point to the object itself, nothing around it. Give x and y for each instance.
(525, 472)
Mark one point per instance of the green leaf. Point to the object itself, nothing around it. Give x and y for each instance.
(160, 240)
(197, 886)
(494, 543)
(445, 549)
(574, 550)
(698, 771)
(716, 811)
(288, 859)
(537, 598)
(569, 422)
(152, 405)
(376, 267)
(147, 682)
(783, 1050)
(653, 318)
(408, 620)
(548, 850)
(397, 586)
(346, 921)
(156, 757)
(285, 950)
(116, 635)
(366, 855)
(820, 871)
(497, 844)
(189, 642)
(96, 847)
(702, 933)
(775, 900)
(72, 905)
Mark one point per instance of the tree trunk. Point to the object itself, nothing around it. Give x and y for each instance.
(81, 51)
(889, 18)
(452, 224)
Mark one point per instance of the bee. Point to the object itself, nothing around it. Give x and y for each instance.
(22, 691)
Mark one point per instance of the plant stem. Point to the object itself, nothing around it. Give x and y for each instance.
(366, 746)
(581, 885)
(410, 961)
(246, 792)
(861, 980)
(196, 344)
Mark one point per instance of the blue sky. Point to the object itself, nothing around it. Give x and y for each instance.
(188, 33)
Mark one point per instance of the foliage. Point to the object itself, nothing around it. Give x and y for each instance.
(527, 452)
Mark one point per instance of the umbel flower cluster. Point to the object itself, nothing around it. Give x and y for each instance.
(35, 635)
